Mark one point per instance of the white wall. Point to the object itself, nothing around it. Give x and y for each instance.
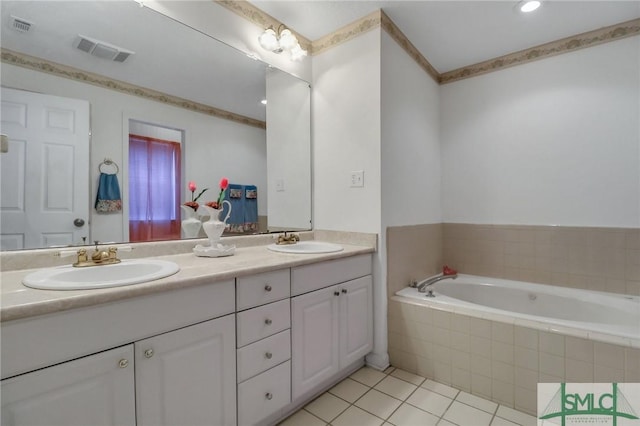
(346, 135)
(554, 141)
(410, 140)
(214, 147)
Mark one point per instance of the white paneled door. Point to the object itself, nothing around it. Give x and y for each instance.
(44, 194)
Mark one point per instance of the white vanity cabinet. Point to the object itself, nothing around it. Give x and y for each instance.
(94, 390)
(176, 366)
(187, 376)
(264, 345)
(331, 327)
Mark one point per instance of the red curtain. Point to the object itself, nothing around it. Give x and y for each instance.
(154, 189)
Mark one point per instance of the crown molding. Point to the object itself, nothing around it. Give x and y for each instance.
(565, 45)
(260, 18)
(59, 70)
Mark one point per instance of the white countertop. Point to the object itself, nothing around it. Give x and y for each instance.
(18, 301)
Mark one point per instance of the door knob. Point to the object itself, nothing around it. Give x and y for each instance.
(78, 222)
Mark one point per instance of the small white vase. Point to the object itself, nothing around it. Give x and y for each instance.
(214, 227)
(190, 224)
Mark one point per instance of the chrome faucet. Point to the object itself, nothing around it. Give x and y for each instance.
(422, 285)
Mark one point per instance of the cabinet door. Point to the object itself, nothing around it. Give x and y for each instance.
(356, 319)
(188, 376)
(314, 339)
(94, 390)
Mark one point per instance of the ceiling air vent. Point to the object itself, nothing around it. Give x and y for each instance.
(20, 24)
(102, 49)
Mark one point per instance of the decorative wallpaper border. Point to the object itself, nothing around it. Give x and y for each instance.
(565, 45)
(260, 18)
(392, 29)
(380, 19)
(59, 70)
(348, 32)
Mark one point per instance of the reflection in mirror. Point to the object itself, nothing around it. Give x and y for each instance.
(177, 79)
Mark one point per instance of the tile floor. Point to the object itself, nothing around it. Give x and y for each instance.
(395, 397)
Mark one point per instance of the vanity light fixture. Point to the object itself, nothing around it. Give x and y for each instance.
(527, 6)
(280, 41)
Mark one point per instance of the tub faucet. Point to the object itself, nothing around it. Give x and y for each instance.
(422, 285)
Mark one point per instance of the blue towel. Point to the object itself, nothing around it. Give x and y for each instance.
(235, 195)
(108, 199)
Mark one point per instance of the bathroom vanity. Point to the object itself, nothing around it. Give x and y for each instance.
(236, 341)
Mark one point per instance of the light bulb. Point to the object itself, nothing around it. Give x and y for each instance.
(529, 6)
(268, 40)
(287, 40)
(298, 53)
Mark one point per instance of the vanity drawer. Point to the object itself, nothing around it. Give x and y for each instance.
(258, 323)
(265, 394)
(264, 288)
(264, 354)
(319, 275)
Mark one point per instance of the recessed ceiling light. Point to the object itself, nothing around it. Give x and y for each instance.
(529, 6)
(263, 102)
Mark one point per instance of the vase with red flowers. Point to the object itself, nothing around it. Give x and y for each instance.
(190, 223)
(214, 227)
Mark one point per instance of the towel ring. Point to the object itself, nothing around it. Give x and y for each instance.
(108, 162)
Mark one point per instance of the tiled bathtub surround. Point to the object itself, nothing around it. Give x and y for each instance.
(413, 253)
(498, 361)
(603, 259)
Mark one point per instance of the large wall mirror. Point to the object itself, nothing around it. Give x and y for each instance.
(129, 75)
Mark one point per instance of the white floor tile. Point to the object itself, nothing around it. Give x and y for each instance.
(408, 415)
(499, 421)
(389, 370)
(327, 407)
(395, 387)
(356, 416)
(516, 416)
(477, 402)
(408, 377)
(368, 376)
(445, 390)
(302, 418)
(443, 422)
(378, 403)
(430, 401)
(349, 390)
(462, 414)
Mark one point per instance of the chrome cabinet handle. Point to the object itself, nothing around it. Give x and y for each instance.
(78, 222)
(123, 363)
(269, 396)
(336, 293)
(268, 321)
(148, 353)
(344, 291)
(268, 355)
(267, 287)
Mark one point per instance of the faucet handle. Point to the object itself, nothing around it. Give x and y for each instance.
(66, 253)
(124, 248)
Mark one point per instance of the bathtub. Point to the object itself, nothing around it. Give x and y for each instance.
(499, 338)
(585, 312)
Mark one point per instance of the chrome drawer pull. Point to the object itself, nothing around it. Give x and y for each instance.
(268, 355)
(267, 287)
(148, 353)
(344, 291)
(268, 321)
(336, 293)
(269, 396)
(123, 363)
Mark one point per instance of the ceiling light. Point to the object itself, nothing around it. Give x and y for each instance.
(529, 6)
(280, 41)
(263, 102)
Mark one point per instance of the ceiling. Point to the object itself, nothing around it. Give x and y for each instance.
(454, 34)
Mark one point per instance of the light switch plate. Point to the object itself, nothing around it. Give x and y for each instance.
(357, 179)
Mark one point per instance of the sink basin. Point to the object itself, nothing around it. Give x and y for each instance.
(306, 247)
(127, 272)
